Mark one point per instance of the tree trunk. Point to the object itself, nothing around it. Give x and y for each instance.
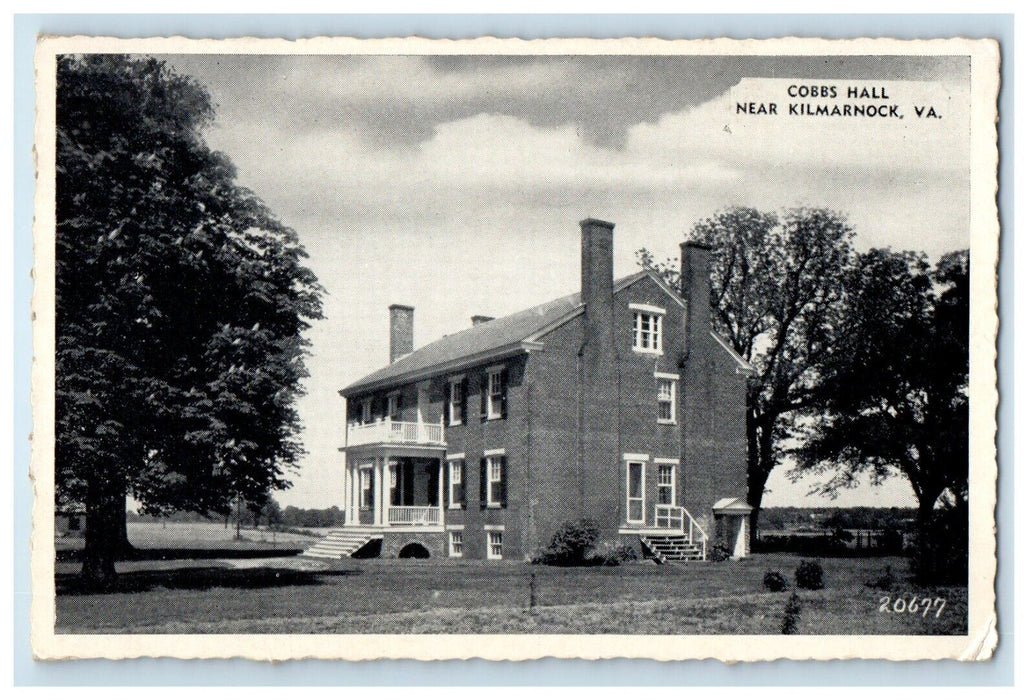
(761, 460)
(120, 538)
(924, 563)
(105, 523)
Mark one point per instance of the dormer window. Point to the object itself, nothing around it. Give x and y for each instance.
(647, 328)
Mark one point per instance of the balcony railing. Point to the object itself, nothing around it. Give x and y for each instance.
(395, 431)
(414, 515)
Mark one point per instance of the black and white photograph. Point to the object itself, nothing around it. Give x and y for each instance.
(512, 349)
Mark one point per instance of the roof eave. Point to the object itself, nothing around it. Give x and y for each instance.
(460, 364)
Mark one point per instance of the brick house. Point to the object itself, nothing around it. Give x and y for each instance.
(617, 403)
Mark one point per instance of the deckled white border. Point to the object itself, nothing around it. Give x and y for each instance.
(978, 645)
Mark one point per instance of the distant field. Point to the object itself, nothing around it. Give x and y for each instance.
(203, 535)
(211, 594)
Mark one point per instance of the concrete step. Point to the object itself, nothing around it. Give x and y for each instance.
(339, 544)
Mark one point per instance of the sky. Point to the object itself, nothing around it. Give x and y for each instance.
(456, 184)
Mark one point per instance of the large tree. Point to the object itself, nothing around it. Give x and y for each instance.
(894, 396)
(777, 283)
(181, 308)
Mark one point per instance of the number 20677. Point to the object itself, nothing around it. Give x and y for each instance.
(913, 606)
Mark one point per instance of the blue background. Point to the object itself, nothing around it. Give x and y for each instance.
(548, 671)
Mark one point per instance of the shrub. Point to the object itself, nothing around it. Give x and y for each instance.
(791, 614)
(809, 575)
(720, 552)
(611, 554)
(570, 544)
(884, 582)
(774, 581)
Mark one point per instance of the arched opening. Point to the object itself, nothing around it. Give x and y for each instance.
(414, 550)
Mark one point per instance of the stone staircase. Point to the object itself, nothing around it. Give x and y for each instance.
(343, 542)
(672, 548)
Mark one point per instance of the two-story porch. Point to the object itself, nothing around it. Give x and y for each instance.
(394, 476)
(394, 490)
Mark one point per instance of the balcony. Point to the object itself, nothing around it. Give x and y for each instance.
(397, 432)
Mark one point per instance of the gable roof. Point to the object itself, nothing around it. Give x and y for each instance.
(501, 337)
(497, 338)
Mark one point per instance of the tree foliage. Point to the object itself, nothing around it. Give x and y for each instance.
(894, 397)
(777, 291)
(181, 307)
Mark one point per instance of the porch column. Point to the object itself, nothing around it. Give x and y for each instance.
(441, 486)
(354, 493)
(348, 491)
(376, 486)
(386, 490)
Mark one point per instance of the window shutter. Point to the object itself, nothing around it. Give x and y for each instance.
(483, 480)
(503, 482)
(463, 401)
(463, 484)
(503, 389)
(446, 396)
(485, 398)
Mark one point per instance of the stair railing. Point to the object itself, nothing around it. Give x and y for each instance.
(677, 517)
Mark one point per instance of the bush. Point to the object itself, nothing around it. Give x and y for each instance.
(774, 581)
(884, 582)
(611, 554)
(720, 552)
(570, 545)
(809, 575)
(791, 614)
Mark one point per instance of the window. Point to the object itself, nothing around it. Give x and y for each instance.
(494, 400)
(666, 484)
(494, 481)
(456, 484)
(666, 400)
(495, 545)
(366, 411)
(634, 511)
(392, 407)
(456, 543)
(456, 402)
(647, 332)
(366, 493)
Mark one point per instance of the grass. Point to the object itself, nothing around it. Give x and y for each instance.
(270, 594)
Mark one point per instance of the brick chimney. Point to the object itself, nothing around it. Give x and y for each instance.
(598, 278)
(400, 331)
(696, 281)
(478, 320)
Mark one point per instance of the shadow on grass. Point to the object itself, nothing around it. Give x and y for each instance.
(170, 554)
(199, 579)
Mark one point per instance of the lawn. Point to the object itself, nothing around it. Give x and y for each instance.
(255, 589)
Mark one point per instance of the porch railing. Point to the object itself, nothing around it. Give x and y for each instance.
(395, 431)
(414, 515)
(677, 518)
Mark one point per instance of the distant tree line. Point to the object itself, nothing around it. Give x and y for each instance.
(269, 514)
(855, 518)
